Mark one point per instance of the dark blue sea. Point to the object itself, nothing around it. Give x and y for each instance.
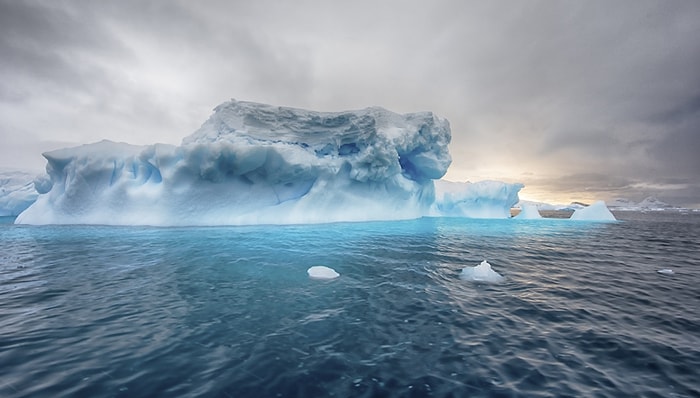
(97, 311)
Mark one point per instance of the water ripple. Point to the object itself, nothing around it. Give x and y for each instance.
(110, 311)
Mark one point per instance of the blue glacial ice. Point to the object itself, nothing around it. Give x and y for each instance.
(483, 199)
(253, 163)
(16, 192)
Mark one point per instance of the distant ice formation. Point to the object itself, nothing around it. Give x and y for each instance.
(666, 271)
(650, 203)
(254, 164)
(481, 273)
(597, 211)
(17, 192)
(322, 272)
(528, 212)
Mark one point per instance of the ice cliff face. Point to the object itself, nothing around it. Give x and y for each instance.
(254, 164)
(483, 199)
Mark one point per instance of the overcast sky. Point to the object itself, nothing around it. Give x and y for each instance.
(579, 100)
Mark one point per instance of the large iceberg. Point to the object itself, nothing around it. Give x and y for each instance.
(253, 163)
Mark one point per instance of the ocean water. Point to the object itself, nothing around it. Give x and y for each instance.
(95, 311)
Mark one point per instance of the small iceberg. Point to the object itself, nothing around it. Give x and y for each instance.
(322, 272)
(481, 273)
(666, 271)
(598, 211)
(528, 212)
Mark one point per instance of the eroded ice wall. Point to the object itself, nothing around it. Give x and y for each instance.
(254, 164)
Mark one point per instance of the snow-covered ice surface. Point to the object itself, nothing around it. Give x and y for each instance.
(528, 212)
(597, 211)
(481, 273)
(254, 164)
(322, 272)
(17, 192)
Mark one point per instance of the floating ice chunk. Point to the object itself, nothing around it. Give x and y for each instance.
(481, 273)
(322, 272)
(666, 271)
(598, 211)
(528, 212)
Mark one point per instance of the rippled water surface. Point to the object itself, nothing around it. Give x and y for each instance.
(231, 312)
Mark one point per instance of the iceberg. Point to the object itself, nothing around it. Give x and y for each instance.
(597, 211)
(481, 273)
(17, 192)
(528, 212)
(322, 272)
(253, 163)
(483, 199)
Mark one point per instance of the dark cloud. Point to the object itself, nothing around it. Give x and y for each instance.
(589, 187)
(578, 84)
(596, 95)
(680, 113)
(48, 45)
(125, 71)
(677, 153)
(677, 149)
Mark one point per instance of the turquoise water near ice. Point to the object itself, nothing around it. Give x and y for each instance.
(231, 312)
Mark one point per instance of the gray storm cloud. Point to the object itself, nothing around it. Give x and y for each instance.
(596, 98)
